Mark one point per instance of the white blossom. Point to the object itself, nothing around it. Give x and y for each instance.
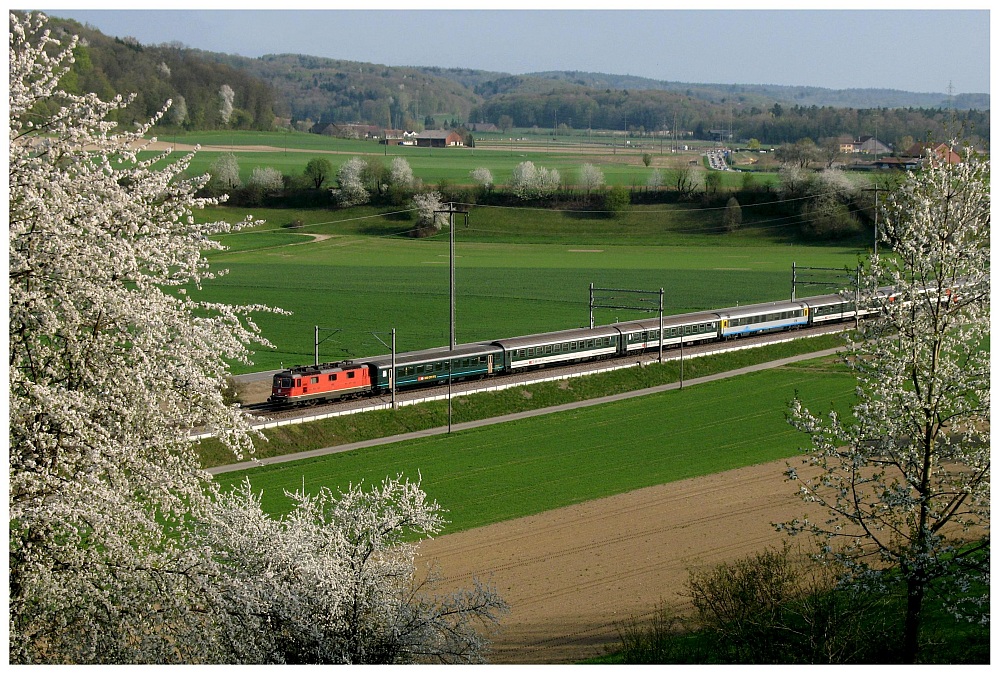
(121, 549)
(426, 205)
(266, 178)
(482, 176)
(178, 110)
(400, 173)
(905, 478)
(226, 95)
(350, 178)
(591, 177)
(531, 182)
(225, 172)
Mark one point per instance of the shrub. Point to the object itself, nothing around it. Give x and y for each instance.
(617, 200)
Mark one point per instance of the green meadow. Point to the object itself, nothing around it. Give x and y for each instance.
(290, 152)
(517, 272)
(515, 469)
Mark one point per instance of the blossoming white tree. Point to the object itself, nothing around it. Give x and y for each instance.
(400, 173)
(482, 176)
(350, 178)
(426, 204)
(266, 178)
(121, 549)
(591, 177)
(530, 182)
(905, 479)
(225, 172)
(226, 97)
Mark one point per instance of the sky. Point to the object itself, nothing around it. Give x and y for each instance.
(892, 48)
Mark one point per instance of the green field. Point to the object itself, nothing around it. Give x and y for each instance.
(364, 278)
(292, 151)
(519, 468)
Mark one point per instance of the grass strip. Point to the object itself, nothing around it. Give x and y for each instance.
(505, 471)
(385, 423)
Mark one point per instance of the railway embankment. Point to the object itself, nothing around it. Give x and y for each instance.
(336, 431)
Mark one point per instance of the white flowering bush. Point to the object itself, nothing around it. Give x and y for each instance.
(482, 176)
(121, 550)
(266, 178)
(334, 580)
(351, 186)
(591, 177)
(904, 480)
(226, 97)
(225, 173)
(400, 173)
(426, 204)
(531, 182)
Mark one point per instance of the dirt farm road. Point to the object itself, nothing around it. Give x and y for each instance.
(571, 575)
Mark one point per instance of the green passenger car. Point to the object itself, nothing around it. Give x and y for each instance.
(434, 366)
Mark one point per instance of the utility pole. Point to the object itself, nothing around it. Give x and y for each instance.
(392, 371)
(451, 210)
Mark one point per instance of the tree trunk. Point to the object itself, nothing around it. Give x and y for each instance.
(911, 629)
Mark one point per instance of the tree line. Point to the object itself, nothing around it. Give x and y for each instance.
(305, 90)
(645, 112)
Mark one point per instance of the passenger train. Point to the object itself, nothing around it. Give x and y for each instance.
(332, 381)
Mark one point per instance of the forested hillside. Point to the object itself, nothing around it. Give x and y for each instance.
(108, 66)
(329, 90)
(212, 90)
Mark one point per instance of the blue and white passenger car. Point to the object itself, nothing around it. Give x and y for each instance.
(757, 318)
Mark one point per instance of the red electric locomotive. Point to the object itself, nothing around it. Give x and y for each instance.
(327, 381)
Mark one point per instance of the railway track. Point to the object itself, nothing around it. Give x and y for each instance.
(270, 413)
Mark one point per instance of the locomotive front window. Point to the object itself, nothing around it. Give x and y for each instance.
(284, 383)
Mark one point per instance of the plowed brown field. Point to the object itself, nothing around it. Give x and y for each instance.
(571, 575)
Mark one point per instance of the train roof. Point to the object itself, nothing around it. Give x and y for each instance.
(835, 298)
(762, 308)
(558, 336)
(435, 354)
(319, 369)
(668, 321)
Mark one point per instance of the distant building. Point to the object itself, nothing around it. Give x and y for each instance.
(900, 163)
(871, 145)
(847, 145)
(439, 139)
(934, 151)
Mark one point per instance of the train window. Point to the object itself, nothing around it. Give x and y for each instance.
(286, 383)
(350, 375)
(548, 349)
(332, 377)
(298, 382)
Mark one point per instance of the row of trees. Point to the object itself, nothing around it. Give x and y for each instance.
(121, 549)
(829, 204)
(644, 112)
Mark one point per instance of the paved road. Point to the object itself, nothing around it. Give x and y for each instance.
(511, 417)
